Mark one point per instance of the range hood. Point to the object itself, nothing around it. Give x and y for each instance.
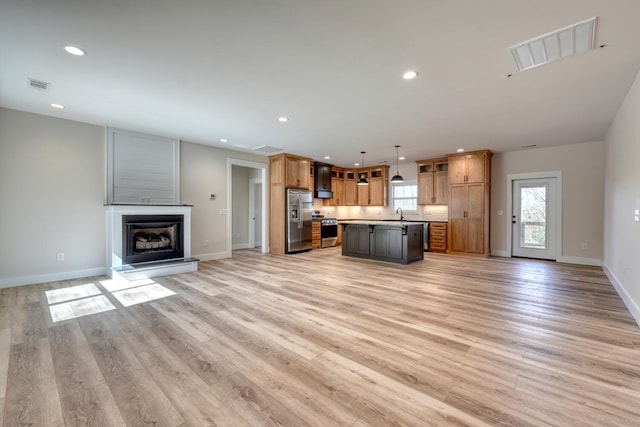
(322, 181)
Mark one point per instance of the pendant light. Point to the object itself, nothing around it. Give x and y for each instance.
(363, 180)
(397, 178)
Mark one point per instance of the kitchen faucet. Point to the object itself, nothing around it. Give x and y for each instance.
(401, 217)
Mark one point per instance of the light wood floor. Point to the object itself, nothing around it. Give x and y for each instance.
(324, 340)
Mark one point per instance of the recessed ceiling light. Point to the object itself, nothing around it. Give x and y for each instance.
(410, 75)
(327, 157)
(223, 140)
(57, 105)
(460, 150)
(356, 164)
(283, 119)
(74, 50)
(401, 158)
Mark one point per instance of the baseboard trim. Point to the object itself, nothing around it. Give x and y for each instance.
(240, 246)
(632, 306)
(52, 277)
(213, 256)
(503, 254)
(582, 261)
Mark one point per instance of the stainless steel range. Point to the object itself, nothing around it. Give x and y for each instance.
(328, 232)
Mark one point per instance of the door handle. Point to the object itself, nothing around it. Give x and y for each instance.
(513, 222)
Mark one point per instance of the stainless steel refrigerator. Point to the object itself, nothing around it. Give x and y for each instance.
(299, 210)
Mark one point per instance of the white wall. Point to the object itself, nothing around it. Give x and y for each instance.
(52, 195)
(203, 171)
(52, 188)
(582, 167)
(622, 197)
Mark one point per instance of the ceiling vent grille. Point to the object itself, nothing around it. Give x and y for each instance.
(267, 149)
(38, 84)
(567, 41)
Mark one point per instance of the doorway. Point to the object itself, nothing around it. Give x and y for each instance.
(243, 177)
(535, 215)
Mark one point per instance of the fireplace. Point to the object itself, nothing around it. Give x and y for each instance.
(147, 238)
(141, 237)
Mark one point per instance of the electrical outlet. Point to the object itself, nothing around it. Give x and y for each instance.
(206, 243)
(60, 256)
(237, 235)
(585, 246)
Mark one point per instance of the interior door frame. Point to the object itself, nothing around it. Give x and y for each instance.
(263, 176)
(535, 175)
(252, 209)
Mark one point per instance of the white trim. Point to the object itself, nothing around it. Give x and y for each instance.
(213, 256)
(535, 175)
(579, 260)
(632, 306)
(252, 209)
(263, 176)
(503, 254)
(52, 277)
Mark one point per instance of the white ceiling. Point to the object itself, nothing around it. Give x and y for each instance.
(211, 69)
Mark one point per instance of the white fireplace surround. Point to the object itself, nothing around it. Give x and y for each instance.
(115, 246)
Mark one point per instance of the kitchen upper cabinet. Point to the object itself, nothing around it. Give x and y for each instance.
(433, 182)
(469, 202)
(350, 188)
(298, 172)
(379, 186)
(337, 188)
(363, 190)
(467, 168)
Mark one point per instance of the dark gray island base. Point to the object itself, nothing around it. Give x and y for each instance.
(395, 241)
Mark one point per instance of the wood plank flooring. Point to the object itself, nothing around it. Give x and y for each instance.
(317, 339)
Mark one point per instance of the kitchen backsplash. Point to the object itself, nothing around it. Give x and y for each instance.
(424, 213)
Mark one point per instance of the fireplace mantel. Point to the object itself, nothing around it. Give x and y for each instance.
(115, 249)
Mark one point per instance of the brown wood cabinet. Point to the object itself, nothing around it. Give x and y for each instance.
(469, 202)
(337, 187)
(438, 236)
(377, 192)
(350, 188)
(285, 171)
(379, 186)
(315, 235)
(298, 172)
(433, 182)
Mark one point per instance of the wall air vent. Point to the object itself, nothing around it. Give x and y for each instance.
(38, 84)
(267, 149)
(567, 41)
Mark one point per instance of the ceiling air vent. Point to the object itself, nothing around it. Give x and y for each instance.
(567, 41)
(267, 149)
(38, 84)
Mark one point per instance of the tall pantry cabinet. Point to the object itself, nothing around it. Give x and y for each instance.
(469, 202)
(285, 171)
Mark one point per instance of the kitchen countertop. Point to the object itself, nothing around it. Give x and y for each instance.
(369, 221)
(390, 223)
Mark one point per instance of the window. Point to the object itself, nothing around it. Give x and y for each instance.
(405, 197)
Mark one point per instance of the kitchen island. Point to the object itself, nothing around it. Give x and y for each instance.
(394, 241)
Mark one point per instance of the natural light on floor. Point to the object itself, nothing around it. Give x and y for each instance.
(83, 300)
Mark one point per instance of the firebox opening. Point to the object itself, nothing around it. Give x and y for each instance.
(148, 238)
